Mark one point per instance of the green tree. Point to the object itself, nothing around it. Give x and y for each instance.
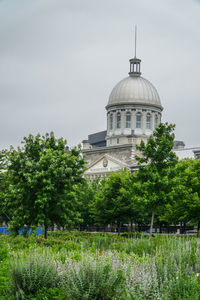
(44, 178)
(86, 192)
(4, 186)
(116, 201)
(157, 167)
(185, 206)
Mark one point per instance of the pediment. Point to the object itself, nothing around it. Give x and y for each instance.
(105, 164)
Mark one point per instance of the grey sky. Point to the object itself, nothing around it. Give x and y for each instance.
(60, 59)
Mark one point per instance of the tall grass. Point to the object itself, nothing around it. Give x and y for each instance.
(30, 275)
(104, 266)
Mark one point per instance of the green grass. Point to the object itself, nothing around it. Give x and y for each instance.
(165, 267)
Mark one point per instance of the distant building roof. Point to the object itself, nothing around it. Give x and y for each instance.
(98, 139)
(179, 144)
(185, 153)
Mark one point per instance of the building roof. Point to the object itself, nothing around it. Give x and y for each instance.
(98, 139)
(134, 90)
(185, 153)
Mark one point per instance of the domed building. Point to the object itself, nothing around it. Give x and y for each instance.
(134, 110)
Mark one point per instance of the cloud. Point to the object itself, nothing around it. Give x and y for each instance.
(60, 60)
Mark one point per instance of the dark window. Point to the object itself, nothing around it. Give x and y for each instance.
(128, 119)
(138, 120)
(118, 120)
(148, 121)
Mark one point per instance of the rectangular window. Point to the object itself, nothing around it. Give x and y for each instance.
(128, 120)
(118, 120)
(138, 120)
(156, 121)
(148, 121)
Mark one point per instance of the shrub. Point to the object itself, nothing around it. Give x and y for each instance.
(51, 294)
(30, 275)
(135, 235)
(4, 253)
(94, 279)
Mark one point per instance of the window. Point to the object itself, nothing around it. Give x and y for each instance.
(117, 140)
(128, 119)
(138, 120)
(156, 121)
(118, 120)
(148, 121)
(111, 121)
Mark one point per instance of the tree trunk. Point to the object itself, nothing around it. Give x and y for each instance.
(131, 226)
(45, 231)
(184, 228)
(160, 227)
(198, 227)
(151, 227)
(119, 228)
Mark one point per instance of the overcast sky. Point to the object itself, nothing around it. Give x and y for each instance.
(60, 59)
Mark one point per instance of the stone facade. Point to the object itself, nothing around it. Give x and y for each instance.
(197, 152)
(124, 153)
(134, 110)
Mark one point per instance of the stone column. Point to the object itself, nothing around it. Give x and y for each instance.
(108, 123)
(153, 120)
(123, 120)
(143, 121)
(133, 120)
(114, 121)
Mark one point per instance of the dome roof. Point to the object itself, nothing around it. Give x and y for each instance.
(134, 90)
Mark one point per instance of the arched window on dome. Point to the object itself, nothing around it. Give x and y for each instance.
(118, 120)
(148, 121)
(138, 120)
(128, 119)
(111, 121)
(156, 121)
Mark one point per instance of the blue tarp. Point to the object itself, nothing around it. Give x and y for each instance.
(4, 230)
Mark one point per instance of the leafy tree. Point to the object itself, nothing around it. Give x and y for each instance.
(44, 178)
(156, 167)
(116, 201)
(86, 197)
(4, 187)
(185, 206)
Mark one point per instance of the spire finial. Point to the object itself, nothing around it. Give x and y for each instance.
(135, 39)
(135, 62)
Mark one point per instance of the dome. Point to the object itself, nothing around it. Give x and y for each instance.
(134, 90)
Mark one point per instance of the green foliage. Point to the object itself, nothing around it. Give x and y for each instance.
(183, 287)
(3, 251)
(4, 279)
(4, 186)
(116, 200)
(30, 275)
(86, 192)
(157, 164)
(133, 235)
(43, 177)
(185, 206)
(51, 294)
(94, 280)
(112, 266)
